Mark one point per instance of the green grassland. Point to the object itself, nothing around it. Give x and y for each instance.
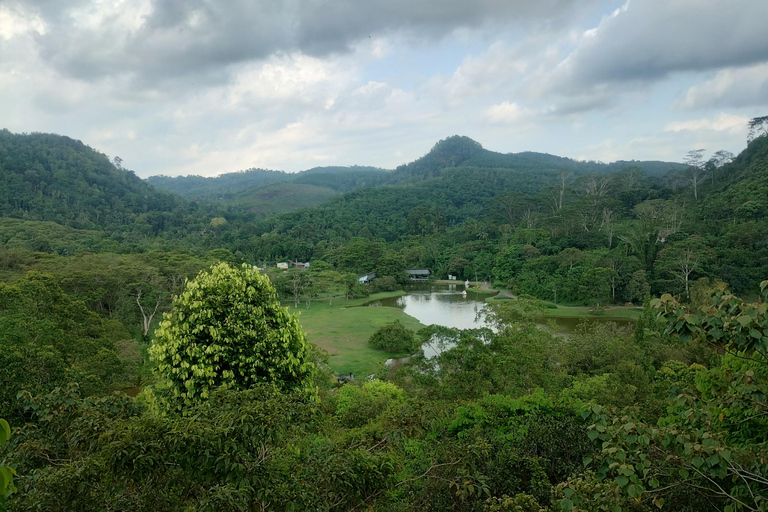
(343, 330)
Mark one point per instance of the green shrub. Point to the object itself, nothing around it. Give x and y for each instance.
(394, 337)
(357, 405)
(385, 284)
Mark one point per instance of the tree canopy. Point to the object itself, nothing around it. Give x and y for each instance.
(227, 329)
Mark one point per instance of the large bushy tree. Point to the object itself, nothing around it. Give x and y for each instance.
(227, 329)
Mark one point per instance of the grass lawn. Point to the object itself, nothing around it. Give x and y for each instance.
(618, 314)
(343, 331)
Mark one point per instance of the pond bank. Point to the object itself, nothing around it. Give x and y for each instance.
(342, 329)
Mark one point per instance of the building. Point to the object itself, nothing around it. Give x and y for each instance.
(418, 274)
(367, 278)
(283, 265)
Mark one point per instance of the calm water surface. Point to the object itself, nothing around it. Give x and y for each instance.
(440, 305)
(447, 305)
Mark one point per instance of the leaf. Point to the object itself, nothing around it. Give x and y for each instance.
(744, 320)
(622, 481)
(5, 431)
(566, 504)
(634, 491)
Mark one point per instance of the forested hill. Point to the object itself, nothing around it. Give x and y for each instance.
(732, 215)
(463, 152)
(446, 157)
(49, 177)
(246, 183)
(455, 182)
(223, 186)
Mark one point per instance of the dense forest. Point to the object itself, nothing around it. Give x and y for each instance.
(109, 282)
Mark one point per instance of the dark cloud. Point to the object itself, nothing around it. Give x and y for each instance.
(653, 38)
(179, 38)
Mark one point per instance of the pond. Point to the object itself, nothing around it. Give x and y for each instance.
(439, 304)
(449, 306)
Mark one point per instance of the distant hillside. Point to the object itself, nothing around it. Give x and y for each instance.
(224, 186)
(732, 213)
(47, 177)
(343, 179)
(526, 172)
(460, 152)
(277, 198)
(739, 190)
(257, 190)
(49, 237)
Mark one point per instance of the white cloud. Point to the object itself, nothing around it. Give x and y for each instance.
(495, 70)
(294, 77)
(506, 113)
(14, 23)
(200, 86)
(721, 123)
(732, 87)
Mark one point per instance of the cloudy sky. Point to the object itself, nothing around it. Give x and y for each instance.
(207, 86)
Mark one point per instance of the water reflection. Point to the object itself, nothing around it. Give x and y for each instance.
(449, 306)
(440, 305)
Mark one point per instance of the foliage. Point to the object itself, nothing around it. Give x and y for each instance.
(385, 284)
(712, 440)
(517, 359)
(476, 426)
(53, 178)
(517, 503)
(357, 405)
(538, 440)
(227, 329)
(6, 472)
(394, 337)
(726, 322)
(48, 339)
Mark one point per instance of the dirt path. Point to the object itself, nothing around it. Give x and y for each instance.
(504, 293)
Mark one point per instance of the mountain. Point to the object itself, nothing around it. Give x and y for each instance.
(463, 152)
(47, 177)
(277, 198)
(55, 178)
(343, 179)
(453, 160)
(266, 193)
(732, 213)
(224, 186)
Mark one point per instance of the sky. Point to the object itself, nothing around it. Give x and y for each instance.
(179, 87)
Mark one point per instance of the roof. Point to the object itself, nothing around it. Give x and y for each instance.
(418, 271)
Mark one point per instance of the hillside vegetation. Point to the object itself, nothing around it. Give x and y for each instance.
(95, 263)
